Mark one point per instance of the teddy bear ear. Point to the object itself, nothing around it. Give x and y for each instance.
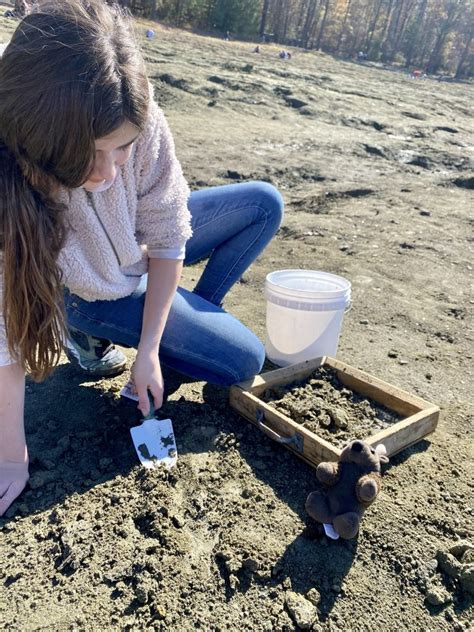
(381, 452)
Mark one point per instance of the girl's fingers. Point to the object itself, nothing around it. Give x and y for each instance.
(143, 401)
(157, 397)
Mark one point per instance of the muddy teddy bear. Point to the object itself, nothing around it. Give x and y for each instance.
(353, 484)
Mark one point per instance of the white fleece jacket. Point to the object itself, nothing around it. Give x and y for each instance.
(112, 234)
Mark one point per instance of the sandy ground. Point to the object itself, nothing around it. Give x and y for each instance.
(377, 174)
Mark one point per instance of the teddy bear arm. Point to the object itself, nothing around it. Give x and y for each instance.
(367, 489)
(327, 473)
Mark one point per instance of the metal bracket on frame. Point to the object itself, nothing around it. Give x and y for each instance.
(296, 441)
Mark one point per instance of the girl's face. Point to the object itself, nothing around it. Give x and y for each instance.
(111, 152)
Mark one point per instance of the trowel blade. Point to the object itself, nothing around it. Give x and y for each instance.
(155, 443)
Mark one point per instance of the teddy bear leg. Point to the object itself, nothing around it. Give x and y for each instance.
(347, 525)
(317, 507)
(327, 473)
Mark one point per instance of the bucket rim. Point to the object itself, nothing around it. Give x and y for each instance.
(343, 285)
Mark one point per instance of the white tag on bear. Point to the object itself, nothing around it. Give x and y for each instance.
(329, 531)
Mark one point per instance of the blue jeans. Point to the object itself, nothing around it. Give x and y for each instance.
(231, 225)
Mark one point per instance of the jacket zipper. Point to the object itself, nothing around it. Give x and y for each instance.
(92, 203)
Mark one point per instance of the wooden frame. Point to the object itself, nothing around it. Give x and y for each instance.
(420, 418)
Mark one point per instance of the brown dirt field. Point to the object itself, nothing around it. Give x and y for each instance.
(377, 174)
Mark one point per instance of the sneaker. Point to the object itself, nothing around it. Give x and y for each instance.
(95, 356)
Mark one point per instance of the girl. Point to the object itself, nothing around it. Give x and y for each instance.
(96, 221)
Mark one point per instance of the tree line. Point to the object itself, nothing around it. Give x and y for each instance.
(432, 35)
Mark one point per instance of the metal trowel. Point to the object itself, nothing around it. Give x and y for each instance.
(154, 438)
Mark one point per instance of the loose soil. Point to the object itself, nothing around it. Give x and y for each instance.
(376, 170)
(324, 406)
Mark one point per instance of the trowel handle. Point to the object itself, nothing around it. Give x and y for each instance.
(151, 414)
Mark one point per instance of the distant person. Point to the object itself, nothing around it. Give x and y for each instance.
(227, 36)
(416, 74)
(97, 220)
(150, 34)
(256, 49)
(282, 54)
(362, 56)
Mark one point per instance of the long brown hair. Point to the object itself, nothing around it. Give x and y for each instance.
(72, 73)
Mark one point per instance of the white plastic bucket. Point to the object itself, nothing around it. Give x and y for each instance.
(305, 309)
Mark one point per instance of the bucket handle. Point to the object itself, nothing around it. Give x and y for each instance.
(348, 307)
(296, 441)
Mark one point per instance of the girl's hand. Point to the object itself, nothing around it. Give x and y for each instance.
(146, 376)
(13, 478)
